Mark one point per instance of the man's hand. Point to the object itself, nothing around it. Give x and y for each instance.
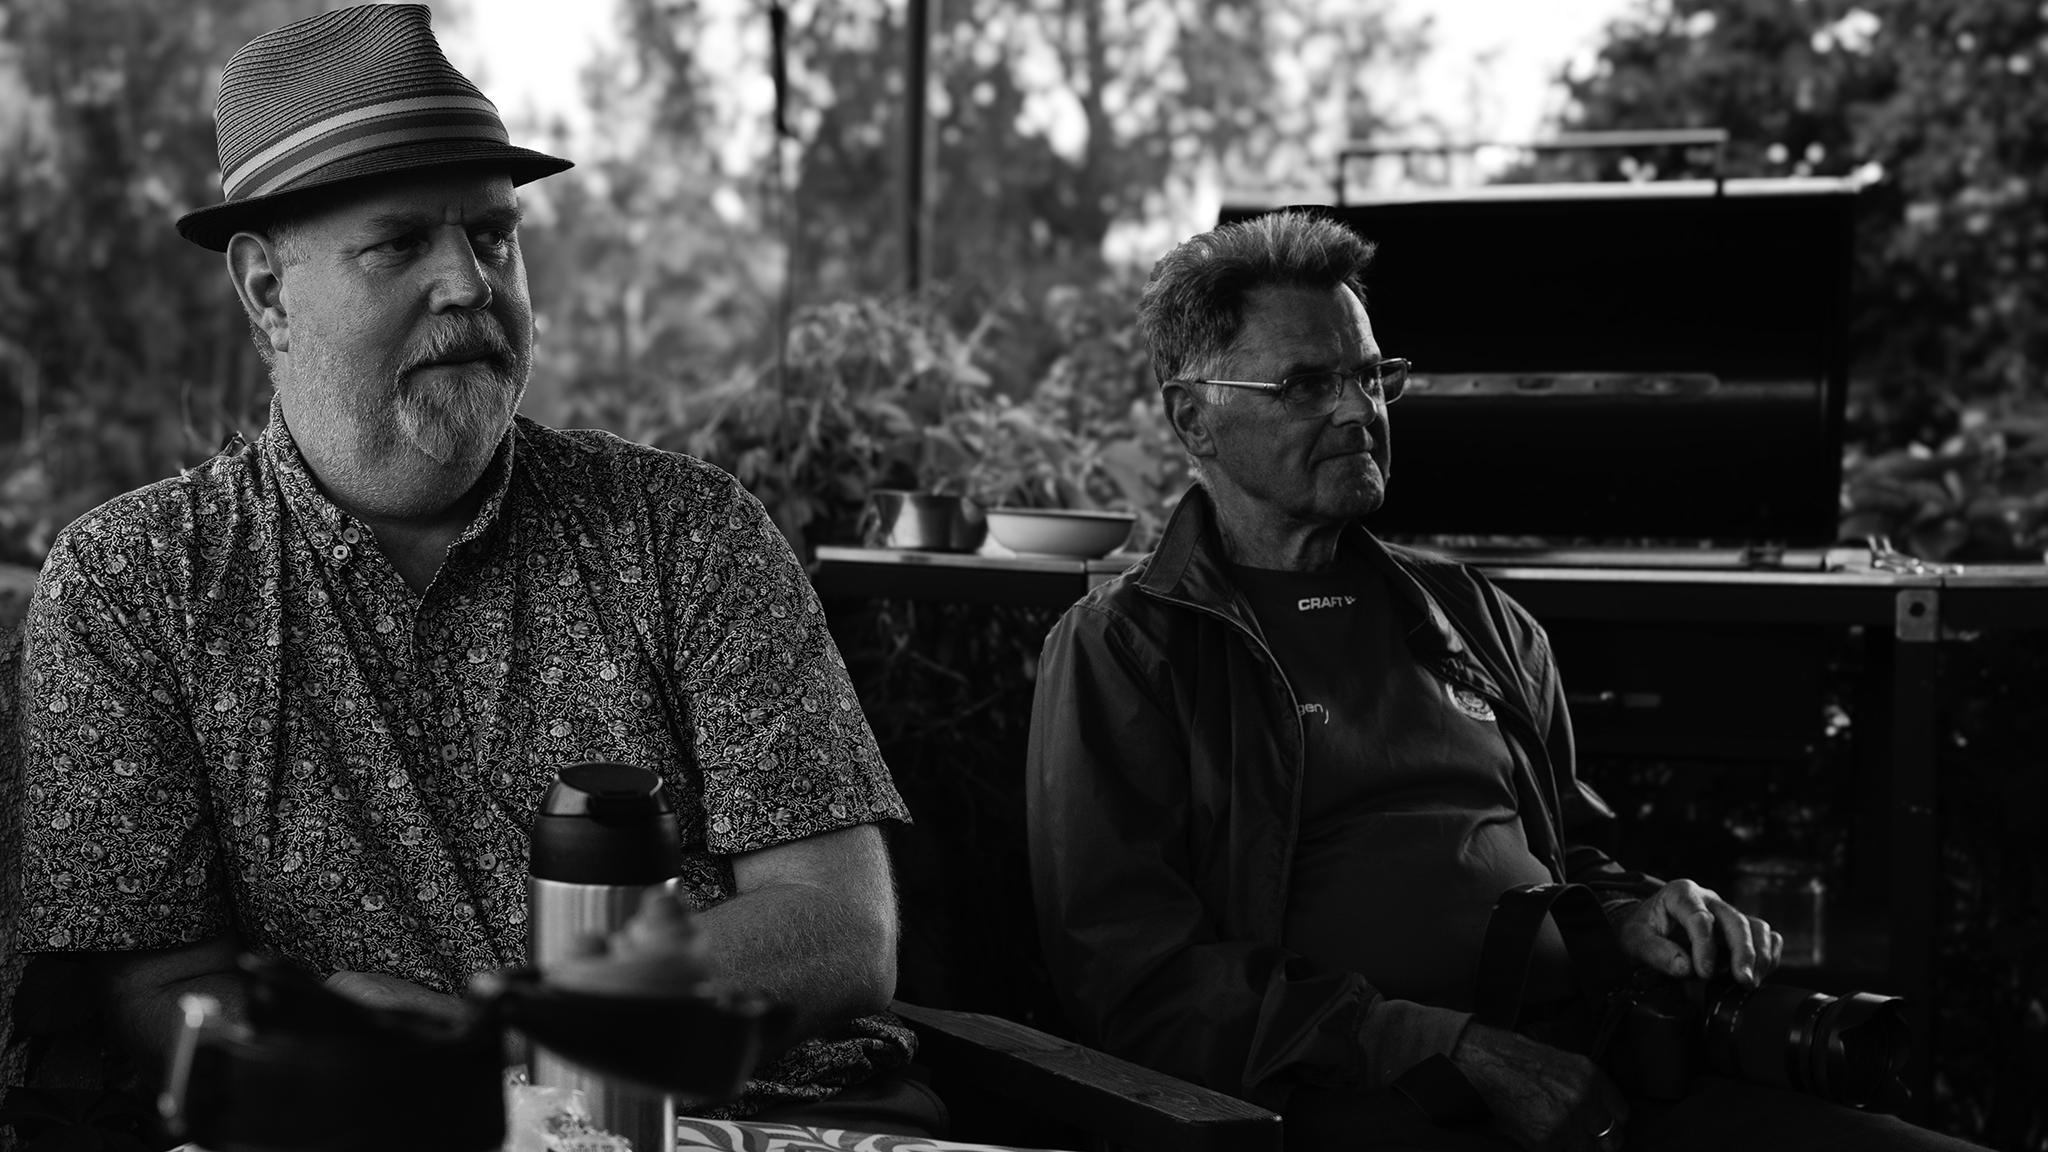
(1676, 932)
(659, 952)
(1542, 1098)
(377, 990)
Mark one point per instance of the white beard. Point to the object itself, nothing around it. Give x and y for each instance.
(465, 416)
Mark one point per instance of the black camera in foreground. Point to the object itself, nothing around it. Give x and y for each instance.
(1653, 1033)
(1849, 1049)
(311, 1070)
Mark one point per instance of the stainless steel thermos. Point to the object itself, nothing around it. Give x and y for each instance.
(603, 836)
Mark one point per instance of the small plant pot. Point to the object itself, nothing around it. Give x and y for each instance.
(921, 521)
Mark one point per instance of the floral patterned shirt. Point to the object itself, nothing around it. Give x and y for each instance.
(238, 715)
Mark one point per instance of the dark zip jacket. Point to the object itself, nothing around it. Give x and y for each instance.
(1164, 791)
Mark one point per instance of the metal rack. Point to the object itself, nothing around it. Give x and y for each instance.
(1714, 138)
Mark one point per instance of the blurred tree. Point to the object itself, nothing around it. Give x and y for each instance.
(1055, 124)
(1940, 107)
(1057, 121)
(653, 266)
(122, 353)
(1939, 100)
(655, 263)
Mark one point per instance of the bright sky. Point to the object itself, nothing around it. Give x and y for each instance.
(1488, 76)
(1491, 71)
(525, 54)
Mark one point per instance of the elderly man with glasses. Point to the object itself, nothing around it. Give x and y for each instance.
(1280, 771)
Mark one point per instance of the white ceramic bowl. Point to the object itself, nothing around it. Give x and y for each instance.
(1059, 531)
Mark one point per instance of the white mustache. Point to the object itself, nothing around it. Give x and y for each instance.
(467, 337)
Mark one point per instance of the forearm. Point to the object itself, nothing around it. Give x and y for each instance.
(1540, 1097)
(1618, 887)
(141, 990)
(825, 959)
(146, 1021)
(1396, 1035)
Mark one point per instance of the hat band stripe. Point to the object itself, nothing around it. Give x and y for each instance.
(233, 182)
(437, 129)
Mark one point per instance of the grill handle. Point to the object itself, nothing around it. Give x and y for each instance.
(1715, 138)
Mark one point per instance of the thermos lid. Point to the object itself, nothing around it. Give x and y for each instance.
(605, 823)
(604, 790)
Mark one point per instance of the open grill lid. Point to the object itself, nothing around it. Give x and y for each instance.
(1614, 363)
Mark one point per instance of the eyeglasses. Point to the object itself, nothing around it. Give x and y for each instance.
(1308, 394)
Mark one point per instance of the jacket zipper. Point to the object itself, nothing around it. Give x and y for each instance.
(1300, 764)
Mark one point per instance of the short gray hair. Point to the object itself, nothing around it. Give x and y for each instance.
(1192, 310)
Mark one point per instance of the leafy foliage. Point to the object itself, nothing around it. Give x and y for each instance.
(1981, 493)
(122, 354)
(887, 393)
(653, 268)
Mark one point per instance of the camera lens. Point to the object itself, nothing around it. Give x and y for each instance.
(1860, 1045)
(1849, 1049)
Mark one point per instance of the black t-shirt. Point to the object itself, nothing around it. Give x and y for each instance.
(1409, 830)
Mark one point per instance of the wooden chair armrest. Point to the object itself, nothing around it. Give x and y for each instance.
(1128, 1104)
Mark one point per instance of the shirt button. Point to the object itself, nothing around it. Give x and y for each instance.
(340, 551)
(351, 535)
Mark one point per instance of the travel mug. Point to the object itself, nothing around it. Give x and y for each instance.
(603, 837)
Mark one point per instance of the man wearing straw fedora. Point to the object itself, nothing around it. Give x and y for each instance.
(302, 699)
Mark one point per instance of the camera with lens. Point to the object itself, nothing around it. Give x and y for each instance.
(310, 1070)
(1850, 1049)
(1653, 1033)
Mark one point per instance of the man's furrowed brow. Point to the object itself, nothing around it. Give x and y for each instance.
(506, 218)
(1298, 367)
(386, 223)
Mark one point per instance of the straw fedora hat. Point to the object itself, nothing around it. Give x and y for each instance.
(352, 93)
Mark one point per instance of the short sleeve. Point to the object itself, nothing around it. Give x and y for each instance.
(783, 747)
(118, 852)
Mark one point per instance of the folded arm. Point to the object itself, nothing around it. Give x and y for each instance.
(143, 989)
(813, 927)
(118, 862)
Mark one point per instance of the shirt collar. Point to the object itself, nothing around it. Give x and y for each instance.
(1189, 564)
(334, 532)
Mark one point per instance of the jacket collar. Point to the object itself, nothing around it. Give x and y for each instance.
(1189, 567)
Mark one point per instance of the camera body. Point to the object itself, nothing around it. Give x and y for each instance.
(1653, 1034)
(1658, 1033)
